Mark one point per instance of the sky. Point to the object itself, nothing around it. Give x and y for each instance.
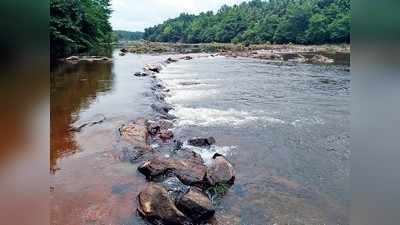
(136, 15)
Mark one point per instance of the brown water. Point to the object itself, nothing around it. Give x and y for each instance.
(283, 126)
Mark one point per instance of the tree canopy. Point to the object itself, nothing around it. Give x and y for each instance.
(123, 35)
(258, 21)
(79, 25)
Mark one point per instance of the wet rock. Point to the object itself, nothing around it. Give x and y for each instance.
(122, 54)
(136, 134)
(189, 83)
(320, 59)
(189, 168)
(296, 57)
(171, 60)
(155, 204)
(202, 142)
(130, 155)
(188, 57)
(78, 126)
(220, 171)
(162, 108)
(153, 67)
(165, 135)
(177, 145)
(196, 205)
(175, 188)
(124, 50)
(141, 74)
(155, 127)
(269, 56)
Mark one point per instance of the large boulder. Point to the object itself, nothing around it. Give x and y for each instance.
(196, 205)
(155, 204)
(220, 171)
(136, 134)
(190, 168)
(201, 142)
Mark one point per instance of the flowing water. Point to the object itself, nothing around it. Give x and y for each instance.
(284, 126)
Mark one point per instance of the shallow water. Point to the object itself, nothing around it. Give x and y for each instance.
(284, 127)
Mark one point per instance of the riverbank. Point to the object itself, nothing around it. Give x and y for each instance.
(162, 47)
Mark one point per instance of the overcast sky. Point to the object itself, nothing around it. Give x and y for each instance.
(135, 15)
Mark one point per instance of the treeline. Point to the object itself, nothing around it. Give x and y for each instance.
(79, 26)
(122, 35)
(257, 21)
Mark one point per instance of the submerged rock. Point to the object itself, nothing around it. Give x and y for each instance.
(156, 205)
(190, 168)
(141, 74)
(136, 134)
(78, 126)
(202, 142)
(220, 171)
(196, 205)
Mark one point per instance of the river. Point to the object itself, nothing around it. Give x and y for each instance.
(283, 125)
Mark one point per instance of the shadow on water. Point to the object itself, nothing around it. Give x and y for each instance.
(73, 88)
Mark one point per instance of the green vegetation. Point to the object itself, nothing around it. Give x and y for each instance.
(78, 26)
(258, 21)
(123, 35)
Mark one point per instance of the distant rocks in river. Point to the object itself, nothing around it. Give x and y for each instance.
(124, 50)
(320, 59)
(170, 60)
(153, 67)
(141, 74)
(76, 59)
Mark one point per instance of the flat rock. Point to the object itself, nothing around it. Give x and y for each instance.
(136, 134)
(220, 171)
(201, 142)
(155, 204)
(189, 168)
(196, 205)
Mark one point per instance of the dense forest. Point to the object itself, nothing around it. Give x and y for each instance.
(79, 26)
(258, 21)
(123, 35)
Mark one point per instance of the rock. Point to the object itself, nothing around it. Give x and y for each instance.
(136, 134)
(190, 168)
(296, 57)
(320, 59)
(141, 74)
(78, 126)
(201, 142)
(165, 135)
(162, 108)
(130, 155)
(124, 50)
(73, 58)
(188, 57)
(155, 204)
(171, 60)
(189, 83)
(220, 171)
(196, 205)
(175, 188)
(270, 56)
(153, 67)
(122, 54)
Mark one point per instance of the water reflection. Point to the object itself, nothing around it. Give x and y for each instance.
(73, 89)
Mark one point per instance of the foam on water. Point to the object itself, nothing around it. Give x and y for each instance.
(208, 153)
(214, 117)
